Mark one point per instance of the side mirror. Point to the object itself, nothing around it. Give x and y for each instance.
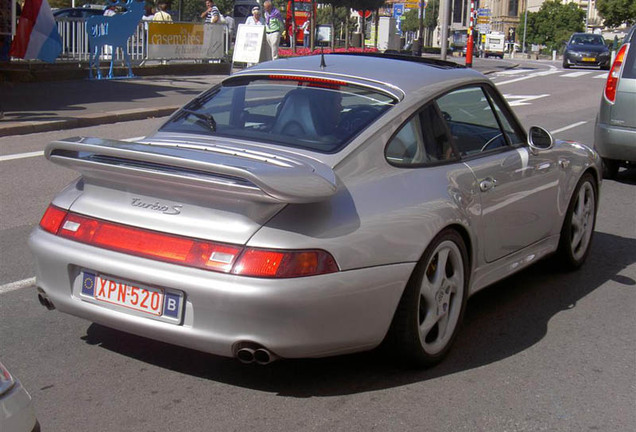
(539, 139)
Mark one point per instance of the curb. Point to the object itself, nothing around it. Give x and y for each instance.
(22, 72)
(94, 119)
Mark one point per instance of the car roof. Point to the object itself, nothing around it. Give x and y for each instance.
(401, 74)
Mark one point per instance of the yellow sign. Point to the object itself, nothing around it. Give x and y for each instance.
(185, 40)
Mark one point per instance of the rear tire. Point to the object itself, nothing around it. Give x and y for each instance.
(432, 306)
(578, 226)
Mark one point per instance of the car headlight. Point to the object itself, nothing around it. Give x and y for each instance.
(604, 54)
(6, 380)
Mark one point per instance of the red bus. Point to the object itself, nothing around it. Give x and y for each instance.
(302, 10)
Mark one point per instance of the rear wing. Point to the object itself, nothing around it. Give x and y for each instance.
(231, 171)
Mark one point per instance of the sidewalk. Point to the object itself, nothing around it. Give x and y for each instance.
(31, 107)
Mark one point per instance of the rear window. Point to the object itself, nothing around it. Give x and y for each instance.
(310, 113)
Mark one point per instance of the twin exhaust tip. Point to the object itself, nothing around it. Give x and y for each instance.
(260, 355)
(44, 300)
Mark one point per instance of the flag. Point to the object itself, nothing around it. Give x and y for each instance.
(37, 36)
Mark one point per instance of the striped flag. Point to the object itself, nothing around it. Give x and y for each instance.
(37, 36)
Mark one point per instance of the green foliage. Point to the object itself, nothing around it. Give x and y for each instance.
(60, 4)
(617, 12)
(553, 24)
(431, 16)
(192, 9)
(411, 21)
(338, 19)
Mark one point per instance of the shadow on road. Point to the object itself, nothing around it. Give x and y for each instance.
(66, 99)
(501, 321)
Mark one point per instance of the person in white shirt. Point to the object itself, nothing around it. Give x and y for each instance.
(211, 12)
(255, 18)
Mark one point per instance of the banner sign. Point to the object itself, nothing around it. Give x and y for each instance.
(185, 40)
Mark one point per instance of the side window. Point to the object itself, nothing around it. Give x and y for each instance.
(471, 120)
(514, 135)
(421, 140)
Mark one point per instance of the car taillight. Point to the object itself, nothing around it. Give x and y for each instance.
(187, 251)
(149, 244)
(52, 219)
(614, 74)
(284, 264)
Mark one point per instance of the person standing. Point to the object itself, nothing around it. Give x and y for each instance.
(256, 17)
(162, 15)
(306, 28)
(273, 27)
(211, 12)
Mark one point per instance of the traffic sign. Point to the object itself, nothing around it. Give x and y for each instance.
(414, 4)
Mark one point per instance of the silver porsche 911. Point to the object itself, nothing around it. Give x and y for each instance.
(311, 207)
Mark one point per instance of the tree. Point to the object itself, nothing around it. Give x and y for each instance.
(617, 12)
(411, 21)
(553, 24)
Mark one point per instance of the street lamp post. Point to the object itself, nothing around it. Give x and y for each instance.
(525, 28)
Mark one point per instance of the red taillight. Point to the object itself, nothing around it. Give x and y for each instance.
(149, 244)
(52, 219)
(614, 74)
(187, 251)
(284, 264)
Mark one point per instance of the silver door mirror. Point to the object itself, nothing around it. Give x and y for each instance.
(539, 138)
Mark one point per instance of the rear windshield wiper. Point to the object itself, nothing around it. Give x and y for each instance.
(207, 118)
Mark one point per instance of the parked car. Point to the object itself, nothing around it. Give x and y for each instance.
(615, 131)
(80, 13)
(586, 49)
(314, 206)
(16, 406)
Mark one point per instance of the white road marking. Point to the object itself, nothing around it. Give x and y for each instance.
(603, 75)
(518, 100)
(512, 72)
(573, 125)
(575, 74)
(21, 156)
(24, 283)
(551, 71)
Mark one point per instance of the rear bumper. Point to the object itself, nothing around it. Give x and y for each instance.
(613, 142)
(303, 317)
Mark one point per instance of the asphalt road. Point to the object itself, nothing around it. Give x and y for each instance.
(540, 351)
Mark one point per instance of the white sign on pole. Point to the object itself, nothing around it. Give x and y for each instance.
(250, 45)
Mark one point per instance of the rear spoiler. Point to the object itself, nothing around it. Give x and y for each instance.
(271, 176)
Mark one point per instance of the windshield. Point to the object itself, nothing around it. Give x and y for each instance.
(315, 114)
(587, 40)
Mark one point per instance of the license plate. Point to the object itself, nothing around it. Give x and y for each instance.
(589, 59)
(149, 300)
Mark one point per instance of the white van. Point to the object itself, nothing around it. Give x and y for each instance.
(495, 45)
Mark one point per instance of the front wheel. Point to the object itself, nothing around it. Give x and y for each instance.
(578, 226)
(432, 306)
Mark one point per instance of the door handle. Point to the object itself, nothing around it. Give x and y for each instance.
(487, 184)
